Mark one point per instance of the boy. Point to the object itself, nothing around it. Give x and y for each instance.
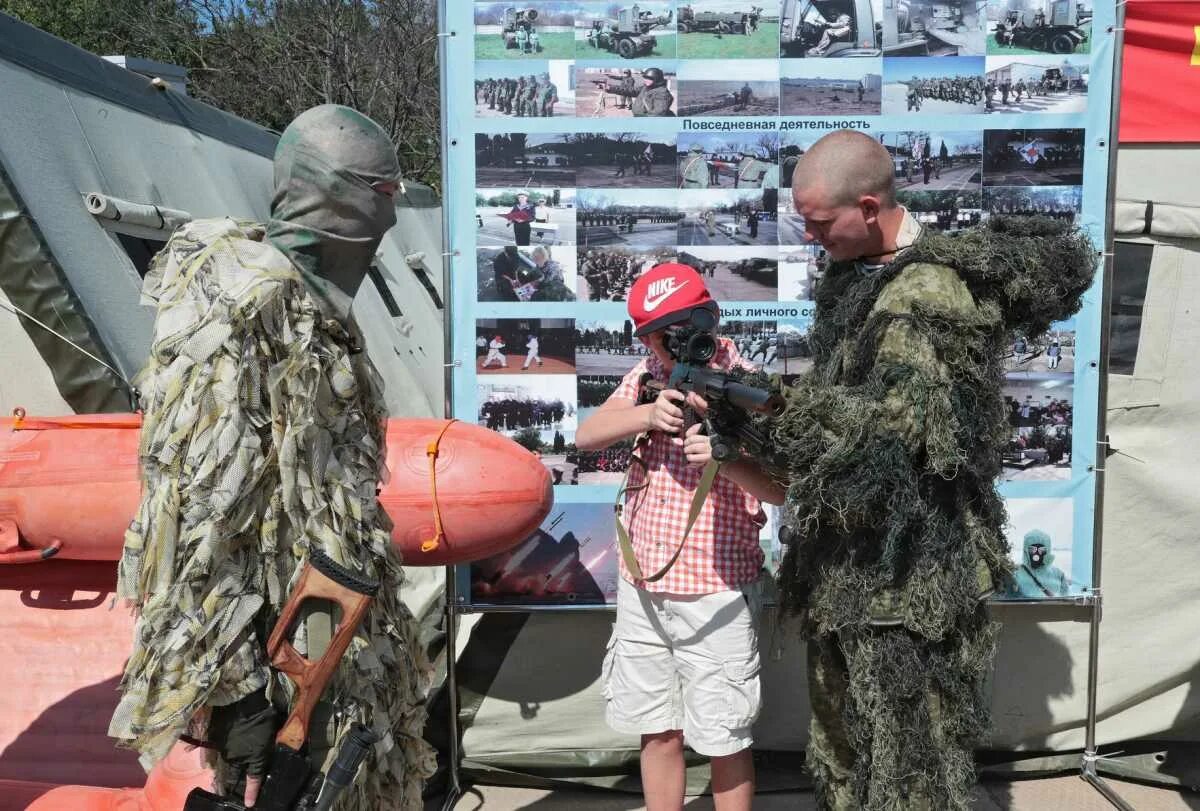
(683, 660)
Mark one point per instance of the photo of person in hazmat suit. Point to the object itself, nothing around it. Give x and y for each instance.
(1037, 577)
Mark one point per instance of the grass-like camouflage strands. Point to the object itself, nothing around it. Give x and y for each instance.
(894, 443)
(263, 437)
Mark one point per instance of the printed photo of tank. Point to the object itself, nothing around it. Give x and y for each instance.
(935, 28)
(1036, 84)
(545, 30)
(748, 160)
(639, 30)
(736, 273)
(837, 87)
(831, 28)
(728, 29)
(1039, 26)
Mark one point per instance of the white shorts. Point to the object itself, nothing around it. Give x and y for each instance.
(688, 662)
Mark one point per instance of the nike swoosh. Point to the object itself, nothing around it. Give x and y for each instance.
(650, 304)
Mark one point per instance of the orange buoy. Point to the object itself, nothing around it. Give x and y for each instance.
(69, 486)
(167, 787)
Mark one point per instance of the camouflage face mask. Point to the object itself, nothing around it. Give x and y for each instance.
(326, 215)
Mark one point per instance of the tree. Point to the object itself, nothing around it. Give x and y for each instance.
(530, 439)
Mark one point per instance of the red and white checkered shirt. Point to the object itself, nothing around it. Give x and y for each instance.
(722, 551)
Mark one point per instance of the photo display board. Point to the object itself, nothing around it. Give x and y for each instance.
(592, 140)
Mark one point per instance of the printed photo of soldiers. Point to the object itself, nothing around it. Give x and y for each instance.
(625, 30)
(799, 270)
(936, 160)
(946, 211)
(642, 218)
(1059, 202)
(530, 345)
(569, 560)
(540, 273)
(1040, 540)
(1035, 84)
(728, 217)
(950, 85)
(742, 273)
(626, 92)
(935, 28)
(744, 160)
(728, 29)
(624, 160)
(523, 217)
(523, 90)
(535, 30)
(1033, 27)
(792, 144)
(523, 159)
(606, 347)
(605, 274)
(706, 89)
(1040, 414)
(774, 347)
(1033, 157)
(833, 29)
(1050, 352)
(831, 87)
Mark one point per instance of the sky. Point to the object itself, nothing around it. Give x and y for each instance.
(543, 387)
(830, 68)
(1076, 61)
(901, 70)
(952, 139)
(720, 141)
(746, 70)
(731, 253)
(666, 198)
(704, 198)
(559, 70)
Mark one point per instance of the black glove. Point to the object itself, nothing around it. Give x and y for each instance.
(244, 734)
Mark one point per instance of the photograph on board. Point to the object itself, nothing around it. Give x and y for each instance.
(593, 391)
(524, 217)
(532, 30)
(621, 91)
(1033, 157)
(935, 28)
(1052, 352)
(728, 217)
(523, 159)
(524, 89)
(951, 85)
(728, 29)
(540, 273)
(644, 218)
(538, 403)
(1031, 27)
(1036, 84)
(833, 28)
(525, 345)
(736, 273)
(830, 87)
(605, 30)
(1059, 202)
(936, 160)
(1040, 534)
(799, 270)
(606, 274)
(792, 144)
(791, 224)
(569, 560)
(624, 160)
(945, 210)
(1039, 417)
(773, 347)
(606, 347)
(706, 89)
(736, 160)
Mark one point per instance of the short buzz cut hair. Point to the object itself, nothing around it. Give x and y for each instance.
(848, 164)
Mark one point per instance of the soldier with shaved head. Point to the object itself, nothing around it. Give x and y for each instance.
(893, 442)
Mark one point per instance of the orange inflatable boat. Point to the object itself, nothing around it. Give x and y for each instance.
(69, 487)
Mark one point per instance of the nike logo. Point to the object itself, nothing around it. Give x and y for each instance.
(667, 288)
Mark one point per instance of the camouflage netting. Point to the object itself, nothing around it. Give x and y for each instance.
(894, 444)
(263, 438)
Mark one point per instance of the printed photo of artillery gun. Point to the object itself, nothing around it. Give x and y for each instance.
(505, 31)
(628, 35)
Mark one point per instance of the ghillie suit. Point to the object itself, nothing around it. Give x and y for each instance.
(264, 438)
(893, 443)
(1037, 576)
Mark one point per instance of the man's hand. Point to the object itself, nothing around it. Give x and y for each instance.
(665, 415)
(696, 446)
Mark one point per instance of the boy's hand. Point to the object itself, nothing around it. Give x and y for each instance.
(696, 446)
(665, 416)
(698, 403)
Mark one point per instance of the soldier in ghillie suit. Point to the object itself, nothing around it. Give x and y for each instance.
(262, 440)
(893, 443)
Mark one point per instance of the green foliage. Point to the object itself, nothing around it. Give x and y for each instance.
(762, 44)
(530, 439)
(555, 45)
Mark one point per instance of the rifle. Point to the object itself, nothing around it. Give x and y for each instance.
(292, 784)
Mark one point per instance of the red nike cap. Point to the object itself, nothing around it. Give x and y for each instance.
(666, 294)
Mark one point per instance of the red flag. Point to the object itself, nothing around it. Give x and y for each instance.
(1160, 83)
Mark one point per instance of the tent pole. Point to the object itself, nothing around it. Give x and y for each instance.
(1090, 756)
(454, 785)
